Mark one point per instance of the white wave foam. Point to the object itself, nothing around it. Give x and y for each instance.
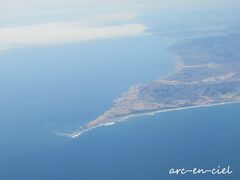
(78, 133)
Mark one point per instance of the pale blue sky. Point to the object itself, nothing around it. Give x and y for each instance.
(32, 22)
(11, 8)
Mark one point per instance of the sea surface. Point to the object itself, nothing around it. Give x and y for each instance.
(59, 88)
(65, 86)
(142, 148)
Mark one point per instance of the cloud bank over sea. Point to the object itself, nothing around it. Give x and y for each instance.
(65, 32)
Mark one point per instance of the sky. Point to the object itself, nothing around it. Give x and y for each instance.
(45, 6)
(33, 22)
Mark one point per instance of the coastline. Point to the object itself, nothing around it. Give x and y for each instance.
(195, 83)
(76, 134)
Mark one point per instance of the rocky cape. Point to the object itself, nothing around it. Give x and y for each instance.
(207, 73)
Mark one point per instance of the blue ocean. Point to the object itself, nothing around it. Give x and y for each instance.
(59, 88)
(143, 148)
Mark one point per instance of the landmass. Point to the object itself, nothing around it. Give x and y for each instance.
(207, 73)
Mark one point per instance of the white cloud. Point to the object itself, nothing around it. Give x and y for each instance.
(82, 5)
(28, 11)
(53, 33)
(108, 18)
